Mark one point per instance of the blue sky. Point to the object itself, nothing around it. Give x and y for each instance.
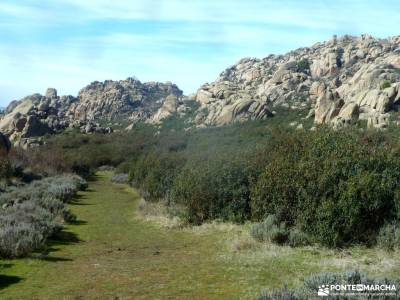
(67, 44)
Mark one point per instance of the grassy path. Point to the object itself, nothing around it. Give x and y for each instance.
(111, 254)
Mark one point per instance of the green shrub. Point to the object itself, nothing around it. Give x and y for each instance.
(154, 172)
(386, 84)
(337, 186)
(303, 65)
(5, 168)
(298, 238)
(270, 231)
(389, 237)
(213, 189)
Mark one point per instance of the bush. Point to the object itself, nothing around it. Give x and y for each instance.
(386, 84)
(153, 174)
(25, 227)
(56, 207)
(338, 187)
(213, 189)
(35, 212)
(64, 191)
(63, 187)
(5, 168)
(303, 65)
(120, 178)
(30, 212)
(281, 294)
(389, 237)
(270, 231)
(298, 238)
(309, 288)
(19, 240)
(80, 183)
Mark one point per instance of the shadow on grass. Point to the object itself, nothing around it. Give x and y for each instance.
(65, 238)
(55, 259)
(6, 280)
(78, 222)
(93, 177)
(79, 200)
(62, 238)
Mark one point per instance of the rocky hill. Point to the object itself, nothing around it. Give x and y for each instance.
(339, 81)
(130, 100)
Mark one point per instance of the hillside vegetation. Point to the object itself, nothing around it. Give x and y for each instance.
(335, 188)
(111, 252)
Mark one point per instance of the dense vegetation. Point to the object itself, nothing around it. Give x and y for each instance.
(336, 188)
(297, 187)
(32, 213)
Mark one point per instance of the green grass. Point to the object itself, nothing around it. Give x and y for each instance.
(111, 253)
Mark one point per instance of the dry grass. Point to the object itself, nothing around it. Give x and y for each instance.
(241, 248)
(238, 247)
(157, 213)
(372, 260)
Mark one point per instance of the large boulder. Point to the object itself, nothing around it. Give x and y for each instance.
(350, 111)
(168, 109)
(243, 110)
(327, 107)
(34, 127)
(51, 93)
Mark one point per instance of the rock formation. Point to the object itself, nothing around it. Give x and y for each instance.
(342, 80)
(128, 98)
(32, 117)
(168, 109)
(339, 82)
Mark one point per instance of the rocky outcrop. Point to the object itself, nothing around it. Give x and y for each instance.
(128, 98)
(167, 110)
(32, 117)
(339, 81)
(328, 106)
(36, 115)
